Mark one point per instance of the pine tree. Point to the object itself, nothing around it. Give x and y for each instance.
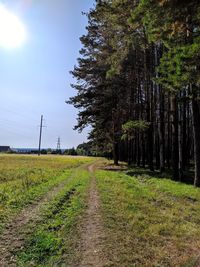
(139, 66)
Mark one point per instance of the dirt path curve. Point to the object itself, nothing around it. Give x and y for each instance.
(92, 233)
(13, 237)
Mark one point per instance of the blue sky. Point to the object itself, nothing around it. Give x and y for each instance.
(35, 79)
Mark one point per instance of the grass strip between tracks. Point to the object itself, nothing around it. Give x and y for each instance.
(54, 237)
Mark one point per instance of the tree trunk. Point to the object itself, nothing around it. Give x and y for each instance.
(143, 150)
(196, 130)
(175, 149)
(116, 153)
(180, 138)
(162, 131)
(138, 150)
(185, 154)
(168, 155)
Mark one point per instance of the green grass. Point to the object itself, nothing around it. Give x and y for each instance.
(53, 240)
(148, 221)
(25, 179)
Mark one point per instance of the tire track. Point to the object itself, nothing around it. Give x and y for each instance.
(91, 243)
(14, 235)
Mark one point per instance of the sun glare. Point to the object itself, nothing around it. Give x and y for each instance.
(12, 30)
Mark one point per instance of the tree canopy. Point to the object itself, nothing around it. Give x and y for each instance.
(138, 83)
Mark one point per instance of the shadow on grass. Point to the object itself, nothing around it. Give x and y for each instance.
(188, 176)
(135, 171)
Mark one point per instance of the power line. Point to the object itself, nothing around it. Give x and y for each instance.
(15, 113)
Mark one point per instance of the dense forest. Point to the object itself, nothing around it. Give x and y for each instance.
(138, 83)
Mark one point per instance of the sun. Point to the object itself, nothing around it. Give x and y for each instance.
(12, 30)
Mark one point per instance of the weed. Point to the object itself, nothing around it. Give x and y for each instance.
(41, 246)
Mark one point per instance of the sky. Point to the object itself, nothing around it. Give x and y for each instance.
(35, 79)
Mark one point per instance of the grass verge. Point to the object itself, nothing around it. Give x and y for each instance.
(149, 222)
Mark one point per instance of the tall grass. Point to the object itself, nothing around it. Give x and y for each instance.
(24, 179)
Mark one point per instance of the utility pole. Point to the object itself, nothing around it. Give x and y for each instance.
(40, 136)
(58, 144)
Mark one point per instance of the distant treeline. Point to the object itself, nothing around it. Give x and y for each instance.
(84, 149)
(138, 80)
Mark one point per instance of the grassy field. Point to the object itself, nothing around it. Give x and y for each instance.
(146, 221)
(24, 179)
(149, 221)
